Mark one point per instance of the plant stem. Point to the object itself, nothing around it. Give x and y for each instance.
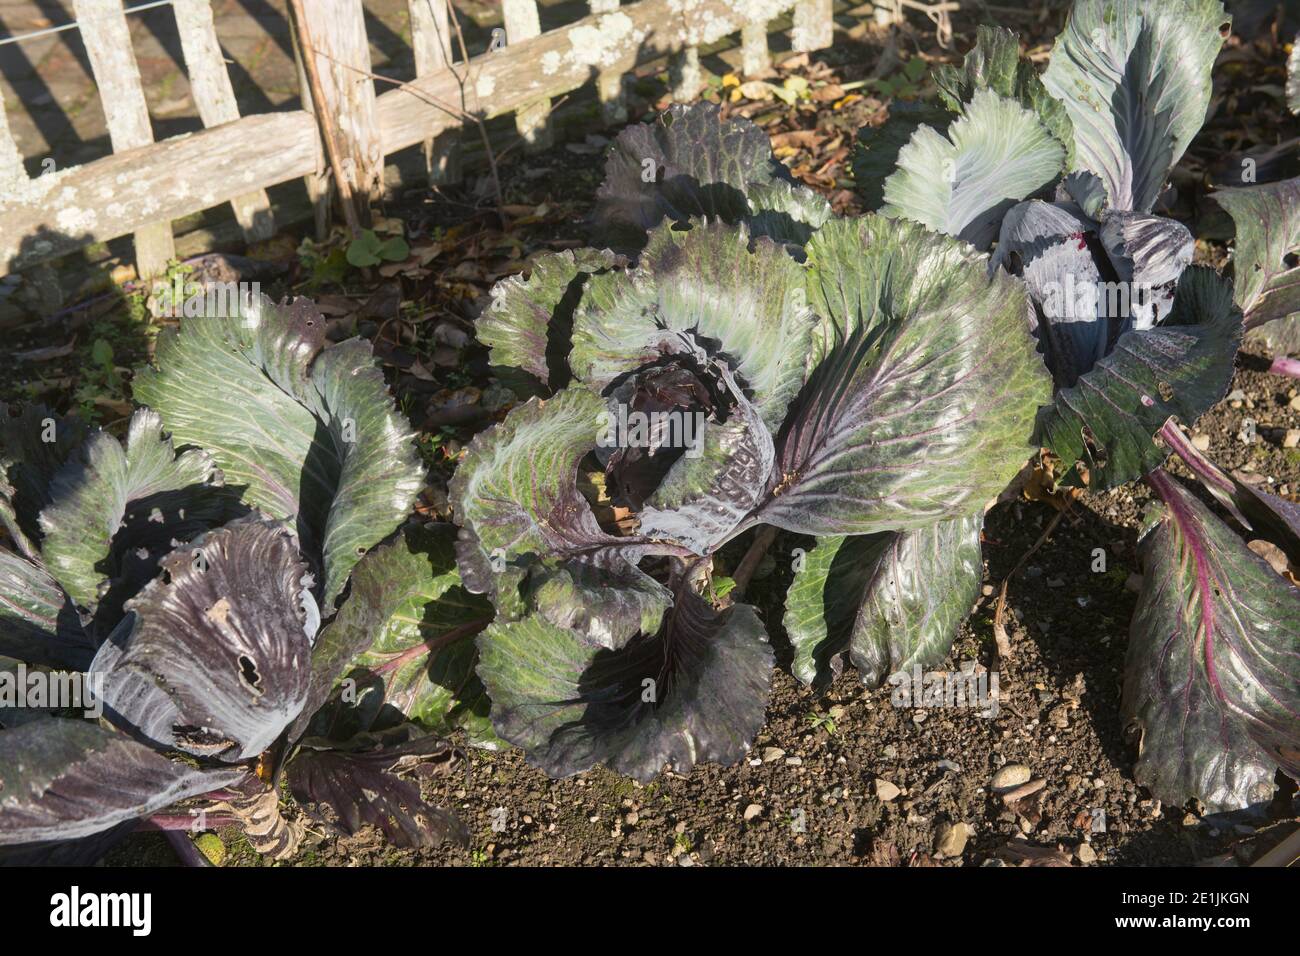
(432, 644)
(183, 822)
(749, 563)
(185, 849)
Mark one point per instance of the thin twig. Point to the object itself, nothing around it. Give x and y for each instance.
(482, 128)
(1000, 611)
(324, 116)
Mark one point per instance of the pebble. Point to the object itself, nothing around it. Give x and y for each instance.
(1086, 854)
(950, 766)
(951, 839)
(1201, 442)
(1295, 403)
(1059, 716)
(1292, 438)
(794, 761)
(771, 754)
(886, 791)
(753, 810)
(1011, 776)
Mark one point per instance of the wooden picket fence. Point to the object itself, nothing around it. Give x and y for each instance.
(145, 185)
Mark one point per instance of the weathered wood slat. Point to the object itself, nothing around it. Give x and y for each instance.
(105, 198)
(338, 33)
(117, 75)
(431, 43)
(609, 83)
(755, 57)
(636, 33)
(215, 97)
(814, 25)
(533, 121)
(685, 76)
(205, 169)
(13, 175)
(317, 181)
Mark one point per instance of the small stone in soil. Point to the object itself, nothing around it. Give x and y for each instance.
(753, 810)
(1086, 854)
(951, 840)
(886, 791)
(771, 754)
(1010, 777)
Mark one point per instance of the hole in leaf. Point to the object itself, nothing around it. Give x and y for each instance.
(248, 673)
(1096, 450)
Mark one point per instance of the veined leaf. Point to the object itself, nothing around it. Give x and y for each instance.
(309, 433)
(1134, 76)
(106, 487)
(1213, 672)
(695, 691)
(517, 488)
(214, 656)
(995, 63)
(1266, 286)
(996, 154)
(1150, 253)
(69, 779)
(704, 498)
(1052, 246)
(875, 155)
(530, 320)
(892, 600)
(607, 607)
(33, 447)
(696, 287)
(408, 628)
(687, 164)
(924, 406)
(38, 622)
(1107, 421)
(363, 784)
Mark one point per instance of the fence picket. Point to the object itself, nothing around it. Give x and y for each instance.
(117, 75)
(13, 175)
(754, 54)
(431, 42)
(609, 82)
(685, 76)
(814, 25)
(222, 163)
(317, 182)
(338, 33)
(523, 23)
(215, 97)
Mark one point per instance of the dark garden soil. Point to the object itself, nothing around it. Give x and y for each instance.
(840, 776)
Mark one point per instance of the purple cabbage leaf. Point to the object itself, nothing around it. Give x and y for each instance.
(1212, 678)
